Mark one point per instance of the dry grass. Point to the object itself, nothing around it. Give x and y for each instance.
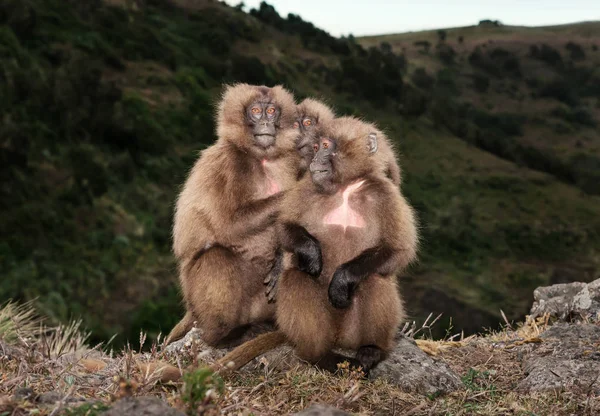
(58, 360)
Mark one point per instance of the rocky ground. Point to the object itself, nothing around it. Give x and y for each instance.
(548, 365)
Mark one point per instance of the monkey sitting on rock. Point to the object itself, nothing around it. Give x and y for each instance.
(224, 234)
(348, 231)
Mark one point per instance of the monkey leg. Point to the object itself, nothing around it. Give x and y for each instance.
(371, 323)
(224, 294)
(304, 316)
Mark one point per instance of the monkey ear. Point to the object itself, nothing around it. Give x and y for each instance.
(372, 143)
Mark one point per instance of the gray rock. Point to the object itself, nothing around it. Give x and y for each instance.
(414, 371)
(566, 359)
(321, 410)
(141, 406)
(281, 358)
(23, 393)
(567, 299)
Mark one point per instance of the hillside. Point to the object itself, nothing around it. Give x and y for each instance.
(105, 106)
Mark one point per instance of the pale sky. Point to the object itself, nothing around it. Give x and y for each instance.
(375, 17)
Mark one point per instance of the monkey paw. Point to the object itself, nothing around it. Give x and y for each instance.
(342, 288)
(309, 257)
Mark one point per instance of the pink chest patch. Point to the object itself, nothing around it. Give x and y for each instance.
(344, 215)
(273, 187)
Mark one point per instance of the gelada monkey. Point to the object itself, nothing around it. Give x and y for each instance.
(224, 235)
(350, 231)
(310, 113)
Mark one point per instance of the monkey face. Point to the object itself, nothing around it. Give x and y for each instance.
(342, 156)
(321, 167)
(306, 136)
(263, 119)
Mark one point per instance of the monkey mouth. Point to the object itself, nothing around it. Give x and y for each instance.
(319, 172)
(264, 140)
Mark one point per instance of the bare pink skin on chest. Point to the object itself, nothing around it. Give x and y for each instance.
(344, 215)
(273, 187)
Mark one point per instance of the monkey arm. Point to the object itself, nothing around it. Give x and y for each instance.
(252, 217)
(381, 259)
(294, 238)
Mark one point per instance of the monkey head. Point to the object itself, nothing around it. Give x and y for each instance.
(344, 152)
(257, 119)
(309, 114)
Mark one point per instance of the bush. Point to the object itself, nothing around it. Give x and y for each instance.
(498, 62)
(481, 83)
(422, 79)
(576, 51)
(445, 53)
(576, 116)
(560, 90)
(426, 45)
(441, 35)
(546, 54)
(413, 102)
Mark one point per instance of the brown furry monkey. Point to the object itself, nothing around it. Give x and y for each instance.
(310, 114)
(349, 231)
(224, 234)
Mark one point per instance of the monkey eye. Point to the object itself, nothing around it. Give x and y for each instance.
(316, 147)
(296, 124)
(255, 110)
(271, 110)
(307, 122)
(325, 145)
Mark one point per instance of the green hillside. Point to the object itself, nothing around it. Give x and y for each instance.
(105, 106)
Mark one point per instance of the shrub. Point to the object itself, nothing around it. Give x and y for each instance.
(441, 35)
(560, 90)
(576, 116)
(413, 102)
(576, 51)
(498, 62)
(546, 54)
(446, 53)
(422, 79)
(426, 45)
(481, 83)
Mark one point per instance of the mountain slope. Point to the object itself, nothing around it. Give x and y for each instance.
(105, 106)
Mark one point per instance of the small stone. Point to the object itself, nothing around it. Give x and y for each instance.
(322, 410)
(141, 406)
(23, 393)
(412, 370)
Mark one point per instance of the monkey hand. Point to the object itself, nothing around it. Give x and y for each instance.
(342, 287)
(309, 257)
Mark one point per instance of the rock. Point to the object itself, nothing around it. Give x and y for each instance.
(567, 299)
(414, 371)
(281, 358)
(23, 393)
(141, 406)
(568, 358)
(322, 410)
(193, 343)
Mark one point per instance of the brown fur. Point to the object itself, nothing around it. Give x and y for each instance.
(304, 313)
(320, 111)
(224, 233)
(386, 152)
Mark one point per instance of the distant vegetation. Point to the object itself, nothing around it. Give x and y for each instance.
(104, 109)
